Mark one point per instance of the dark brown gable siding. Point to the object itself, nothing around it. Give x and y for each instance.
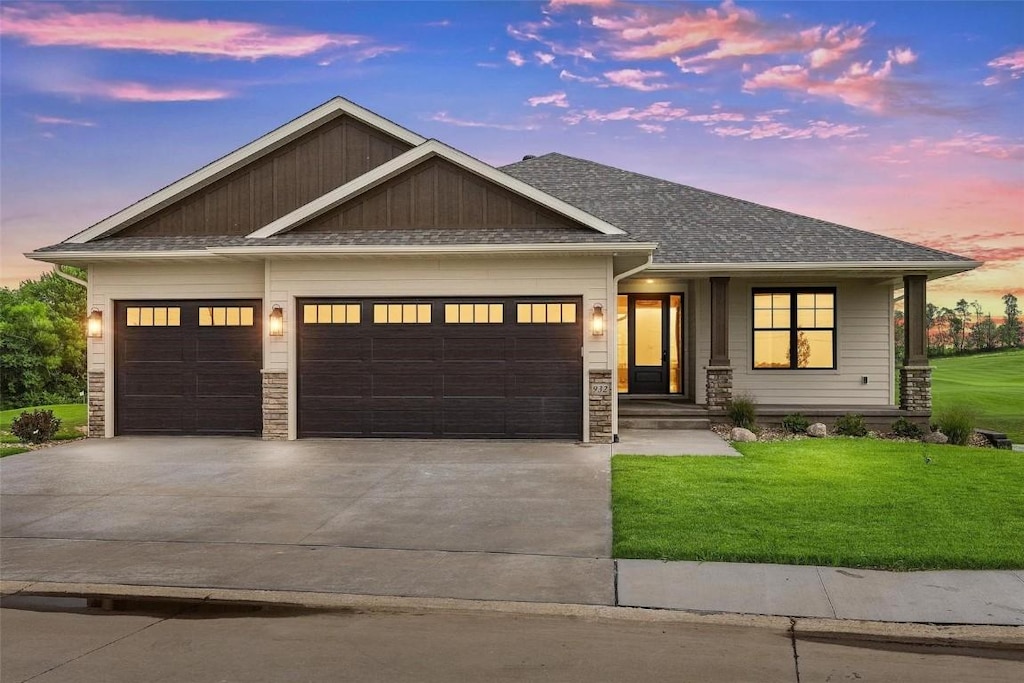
(437, 194)
(316, 163)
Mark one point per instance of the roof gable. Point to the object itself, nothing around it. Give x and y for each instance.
(264, 174)
(507, 185)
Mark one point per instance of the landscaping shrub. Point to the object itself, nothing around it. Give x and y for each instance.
(743, 412)
(851, 424)
(957, 424)
(905, 428)
(35, 427)
(795, 423)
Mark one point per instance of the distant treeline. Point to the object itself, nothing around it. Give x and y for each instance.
(966, 328)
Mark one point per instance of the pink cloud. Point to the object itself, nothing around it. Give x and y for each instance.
(560, 4)
(544, 58)
(557, 99)
(636, 79)
(515, 58)
(651, 128)
(443, 117)
(724, 33)
(58, 121)
(659, 111)
(1011, 64)
(141, 92)
(977, 144)
(859, 86)
(717, 117)
(568, 76)
(820, 130)
(48, 25)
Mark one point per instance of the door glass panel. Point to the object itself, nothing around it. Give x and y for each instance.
(649, 332)
(675, 344)
(622, 341)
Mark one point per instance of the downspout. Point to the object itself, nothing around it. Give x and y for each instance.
(70, 278)
(613, 328)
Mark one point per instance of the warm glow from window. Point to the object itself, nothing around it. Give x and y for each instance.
(794, 329)
(474, 313)
(557, 312)
(401, 313)
(325, 314)
(226, 316)
(152, 316)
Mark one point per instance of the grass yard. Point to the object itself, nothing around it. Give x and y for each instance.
(71, 415)
(12, 450)
(990, 384)
(839, 502)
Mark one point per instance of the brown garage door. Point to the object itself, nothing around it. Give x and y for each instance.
(188, 367)
(452, 368)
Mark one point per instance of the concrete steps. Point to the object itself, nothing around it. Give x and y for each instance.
(661, 414)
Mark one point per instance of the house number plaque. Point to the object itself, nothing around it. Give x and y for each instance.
(601, 388)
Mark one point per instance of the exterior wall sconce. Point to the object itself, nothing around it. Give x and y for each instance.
(276, 322)
(94, 324)
(597, 321)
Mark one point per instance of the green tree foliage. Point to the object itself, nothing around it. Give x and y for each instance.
(1009, 331)
(42, 341)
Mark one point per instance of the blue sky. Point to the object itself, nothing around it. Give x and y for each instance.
(901, 118)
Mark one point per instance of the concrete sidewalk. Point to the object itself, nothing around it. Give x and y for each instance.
(936, 597)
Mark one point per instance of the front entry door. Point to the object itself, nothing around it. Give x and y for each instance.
(648, 343)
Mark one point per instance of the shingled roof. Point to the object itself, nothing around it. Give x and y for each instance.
(696, 226)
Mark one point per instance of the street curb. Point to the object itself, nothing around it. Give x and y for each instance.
(1005, 638)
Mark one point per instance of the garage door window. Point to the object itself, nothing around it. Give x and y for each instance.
(474, 313)
(335, 314)
(152, 316)
(401, 313)
(556, 312)
(225, 316)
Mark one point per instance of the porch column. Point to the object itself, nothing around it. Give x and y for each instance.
(915, 375)
(719, 370)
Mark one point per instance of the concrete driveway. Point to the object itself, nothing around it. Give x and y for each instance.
(463, 519)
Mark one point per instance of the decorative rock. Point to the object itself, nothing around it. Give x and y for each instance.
(741, 434)
(935, 437)
(817, 430)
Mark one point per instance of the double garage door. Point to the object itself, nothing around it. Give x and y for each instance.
(452, 368)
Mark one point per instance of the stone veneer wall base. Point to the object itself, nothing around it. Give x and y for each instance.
(97, 405)
(602, 394)
(275, 406)
(719, 389)
(916, 388)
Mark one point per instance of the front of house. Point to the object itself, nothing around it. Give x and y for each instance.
(342, 276)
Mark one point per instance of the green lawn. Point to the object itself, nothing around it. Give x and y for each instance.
(990, 384)
(12, 450)
(840, 502)
(71, 415)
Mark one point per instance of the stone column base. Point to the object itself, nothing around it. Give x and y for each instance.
(97, 405)
(275, 405)
(602, 394)
(719, 387)
(916, 388)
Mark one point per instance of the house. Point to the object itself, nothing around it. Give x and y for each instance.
(343, 276)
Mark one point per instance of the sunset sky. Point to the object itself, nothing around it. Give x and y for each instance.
(902, 118)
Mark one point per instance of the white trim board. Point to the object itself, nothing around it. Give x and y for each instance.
(412, 158)
(239, 158)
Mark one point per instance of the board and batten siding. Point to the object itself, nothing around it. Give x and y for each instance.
(431, 277)
(864, 348)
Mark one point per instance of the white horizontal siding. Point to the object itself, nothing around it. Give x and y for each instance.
(863, 349)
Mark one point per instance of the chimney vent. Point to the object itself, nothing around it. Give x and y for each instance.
(529, 156)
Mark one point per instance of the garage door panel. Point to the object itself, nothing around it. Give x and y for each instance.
(327, 348)
(140, 349)
(546, 349)
(481, 383)
(178, 377)
(418, 348)
(476, 348)
(401, 384)
(404, 422)
(471, 378)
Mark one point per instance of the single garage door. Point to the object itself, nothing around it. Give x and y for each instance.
(188, 367)
(452, 368)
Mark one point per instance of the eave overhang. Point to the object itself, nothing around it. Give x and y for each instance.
(933, 269)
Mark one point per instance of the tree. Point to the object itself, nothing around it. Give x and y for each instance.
(42, 342)
(985, 335)
(898, 327)
(1009, 331)
(959, 318)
